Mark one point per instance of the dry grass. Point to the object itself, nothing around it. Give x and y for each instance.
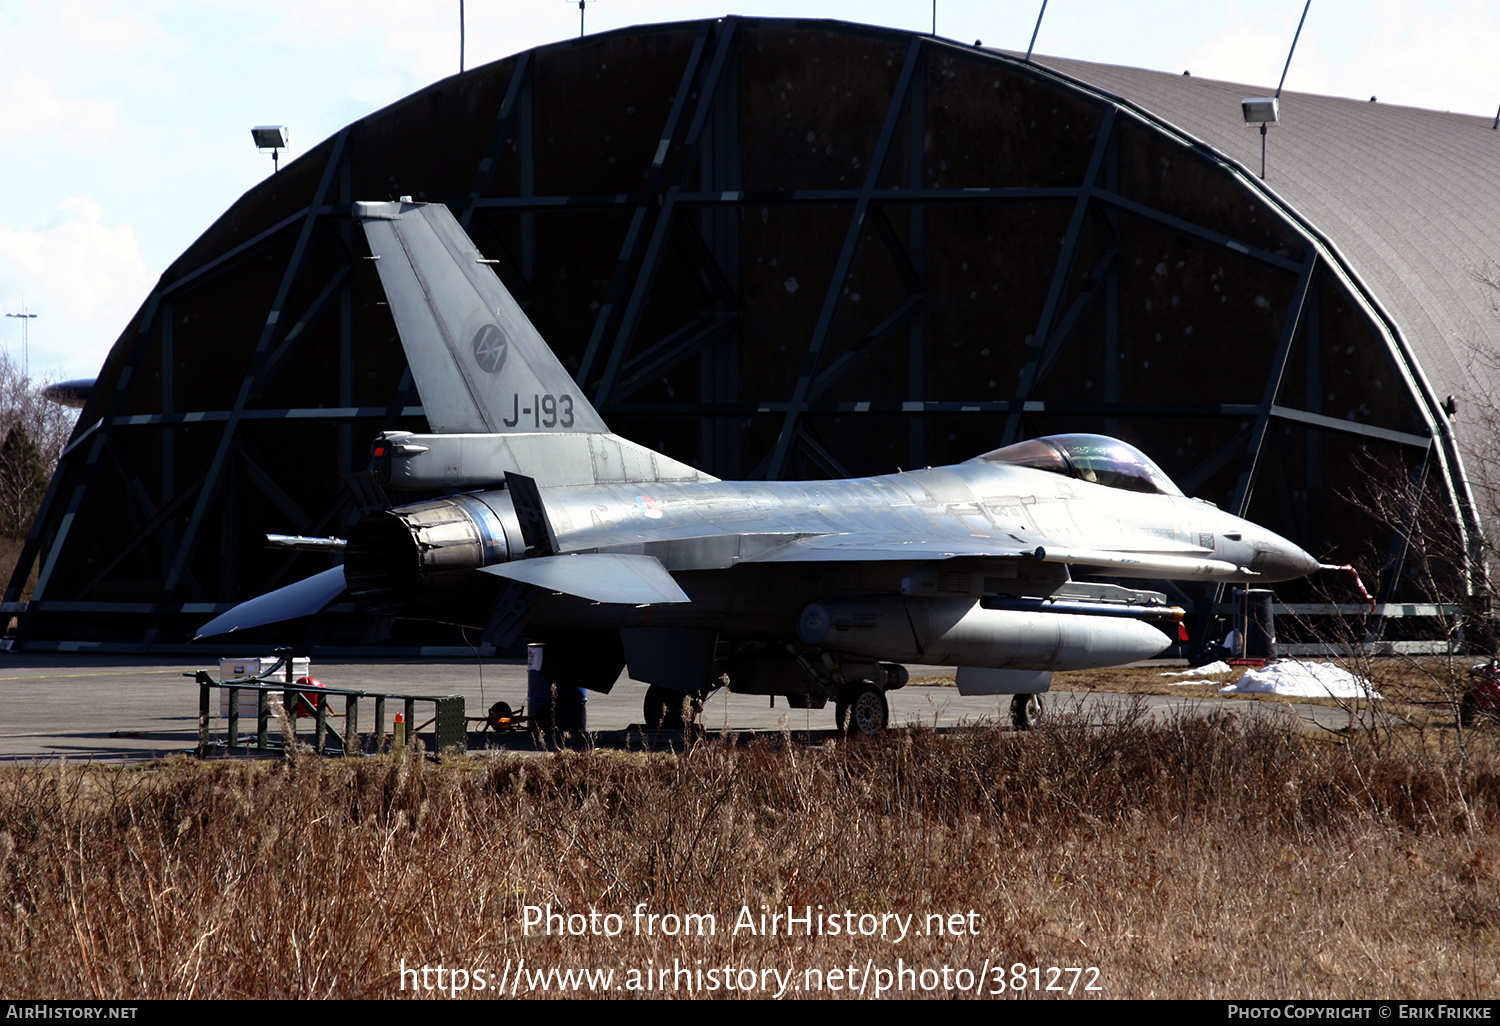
(1202, 858)
(1423, 692)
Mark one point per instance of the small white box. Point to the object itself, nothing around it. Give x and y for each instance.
(231, 669)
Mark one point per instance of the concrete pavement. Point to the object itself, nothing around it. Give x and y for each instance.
(114, 709)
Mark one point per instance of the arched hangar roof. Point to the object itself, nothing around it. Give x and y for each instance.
(783, 248)
(1407, 195)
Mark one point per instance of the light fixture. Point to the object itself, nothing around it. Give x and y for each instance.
(1260, 109)
(274, 138)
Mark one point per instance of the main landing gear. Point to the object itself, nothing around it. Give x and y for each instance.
(666, 709)
(1025, 710)
(862, 709)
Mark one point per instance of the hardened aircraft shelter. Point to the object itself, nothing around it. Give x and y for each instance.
(797, 249)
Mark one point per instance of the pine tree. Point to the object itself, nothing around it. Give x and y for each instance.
(23, 481)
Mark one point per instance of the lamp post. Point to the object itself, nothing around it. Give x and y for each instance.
(1264, 110)
(580, 14)
(1261, 110)
(25, 319)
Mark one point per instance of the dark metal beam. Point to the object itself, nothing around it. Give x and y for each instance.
(851, 357)
(151, 528)
(293, 338)
(313, 413)
(1408, 514)
(268, 333)
(1081, 305)
(268, 486)
(669, 352)
(1062, 271)
(662, 229)
(168, 402)
(1312, 399)
(219, 262)
(1274, 378)
(819, 454)
(87, 473)
(845, 261)
(1216, 461)
(998, 194)
(647, 215)
(485, 173)
(916, 341)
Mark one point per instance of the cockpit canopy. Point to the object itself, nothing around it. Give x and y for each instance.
(1097, 458)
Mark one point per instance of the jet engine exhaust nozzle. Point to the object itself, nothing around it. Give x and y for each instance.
(391, 551)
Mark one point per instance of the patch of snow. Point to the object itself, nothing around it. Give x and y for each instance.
(1302, 680)
(1208, 670)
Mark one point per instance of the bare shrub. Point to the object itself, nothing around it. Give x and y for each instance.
(33, 433)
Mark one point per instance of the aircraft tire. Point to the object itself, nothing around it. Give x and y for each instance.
(1025, 710)
(665, 709)
(863, 710)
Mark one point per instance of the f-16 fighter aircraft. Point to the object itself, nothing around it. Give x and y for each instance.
(616, 556)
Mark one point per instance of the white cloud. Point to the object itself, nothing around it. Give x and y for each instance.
(103, 27)
(32, 111)
(82, 278)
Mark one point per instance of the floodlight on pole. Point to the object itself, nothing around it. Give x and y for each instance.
(1262, 111)
(1266, 110)
(25, 319)
(274, 138)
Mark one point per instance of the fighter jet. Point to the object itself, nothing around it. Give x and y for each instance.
(616, 556)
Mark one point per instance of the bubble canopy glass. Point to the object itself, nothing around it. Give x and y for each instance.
(1097, 458)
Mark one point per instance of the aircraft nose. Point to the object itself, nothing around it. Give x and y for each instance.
(1277, 559)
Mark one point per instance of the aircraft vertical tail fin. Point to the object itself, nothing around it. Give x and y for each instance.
(498, 401)
(479, 364)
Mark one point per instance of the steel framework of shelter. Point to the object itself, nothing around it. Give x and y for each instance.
(769, 248)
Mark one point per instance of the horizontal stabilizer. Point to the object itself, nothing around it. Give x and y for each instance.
(301, 599)
(597, 576)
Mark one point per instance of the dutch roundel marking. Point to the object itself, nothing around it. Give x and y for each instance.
(490, 349)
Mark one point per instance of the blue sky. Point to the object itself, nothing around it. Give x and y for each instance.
(124, 126)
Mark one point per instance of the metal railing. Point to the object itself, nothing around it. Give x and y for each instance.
(450, 728)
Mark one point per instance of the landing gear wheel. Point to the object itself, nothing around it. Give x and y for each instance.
(863, 710)
(666, 709)
(1025, 710)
